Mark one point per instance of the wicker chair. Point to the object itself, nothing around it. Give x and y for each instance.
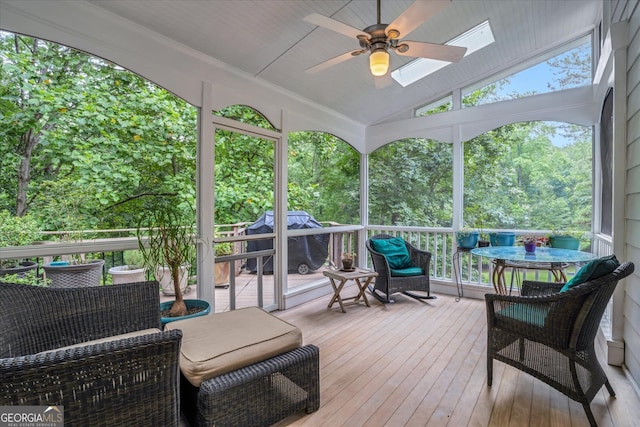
(131, 381)
(387, 283)
(550, 334)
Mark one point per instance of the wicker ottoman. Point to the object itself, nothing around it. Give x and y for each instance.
(245, 367)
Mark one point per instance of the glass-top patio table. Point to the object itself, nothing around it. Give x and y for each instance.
(552, 259)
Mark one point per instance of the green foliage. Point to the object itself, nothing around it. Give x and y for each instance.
(80, 128)
(134, 258)
(224, 248)
(324, 177)
(27, 278)
(244, 177)
(516, 178)
(87, 145)
(411, 183)
(17, 231)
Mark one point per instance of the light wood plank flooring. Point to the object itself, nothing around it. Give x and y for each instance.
(416, 363)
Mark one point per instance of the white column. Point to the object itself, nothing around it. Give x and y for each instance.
(205, 196)
(280, 214)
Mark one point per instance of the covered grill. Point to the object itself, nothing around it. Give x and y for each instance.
(306, 253)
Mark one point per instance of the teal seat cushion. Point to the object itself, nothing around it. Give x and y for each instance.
(407, 272)
(592, 270)
(395, 250)
(525, 313)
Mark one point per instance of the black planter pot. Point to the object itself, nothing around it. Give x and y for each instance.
(21, 270)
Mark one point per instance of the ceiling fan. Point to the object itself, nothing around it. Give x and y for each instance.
(378, 39)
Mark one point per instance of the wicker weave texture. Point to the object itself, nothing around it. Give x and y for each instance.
(387, 284)
(119, 383)
(550, 335)
(257, 395)
(75, 276)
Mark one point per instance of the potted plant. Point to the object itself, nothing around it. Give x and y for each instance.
(17, 231)
(565, 239)
(467, 238)
(502, 238)
(76, 269)
(530, 243)
(483, 238)
(131, 272)
(348, 258)
(167, 242)
(222, 269)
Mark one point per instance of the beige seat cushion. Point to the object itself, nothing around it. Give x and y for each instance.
(223, 342)
(107, 339)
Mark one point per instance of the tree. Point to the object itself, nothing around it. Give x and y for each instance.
(78, 128)
(411, 183)
(324, 177)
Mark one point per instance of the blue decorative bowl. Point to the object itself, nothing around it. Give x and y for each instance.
(191, 303)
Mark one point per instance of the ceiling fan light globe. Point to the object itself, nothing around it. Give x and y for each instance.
(379, 62)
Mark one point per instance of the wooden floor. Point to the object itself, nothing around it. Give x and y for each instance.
(416, 363)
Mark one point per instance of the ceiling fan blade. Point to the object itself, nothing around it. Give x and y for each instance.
(415, 15)
(441, 52)
(331, 62)
(337, 26)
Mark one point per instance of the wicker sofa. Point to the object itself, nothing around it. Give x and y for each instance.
(127, 380)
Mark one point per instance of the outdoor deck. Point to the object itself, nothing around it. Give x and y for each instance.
(246, 289)
(424, 364)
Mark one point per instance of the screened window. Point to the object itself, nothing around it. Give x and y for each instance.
(563, 68)
(530, 175)
(324, 177)
(85, 143)
(439, 106)
(411, 183)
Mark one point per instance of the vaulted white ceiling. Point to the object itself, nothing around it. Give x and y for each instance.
(269, 39)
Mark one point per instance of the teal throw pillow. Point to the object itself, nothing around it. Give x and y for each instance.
(395, 250)
(592, 270)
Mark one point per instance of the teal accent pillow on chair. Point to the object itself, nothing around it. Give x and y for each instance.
(593, 270)
(394, 250)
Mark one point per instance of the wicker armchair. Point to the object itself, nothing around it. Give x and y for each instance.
(131, 381)
(550, 334)
(387, 283)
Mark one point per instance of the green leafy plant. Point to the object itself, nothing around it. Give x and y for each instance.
(16, 231)
(223, 248)
(166, 238)
(466, 232)
(28, 278)
(349, 255)
(576, 234)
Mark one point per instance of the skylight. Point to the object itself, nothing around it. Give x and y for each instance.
(474, 39)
